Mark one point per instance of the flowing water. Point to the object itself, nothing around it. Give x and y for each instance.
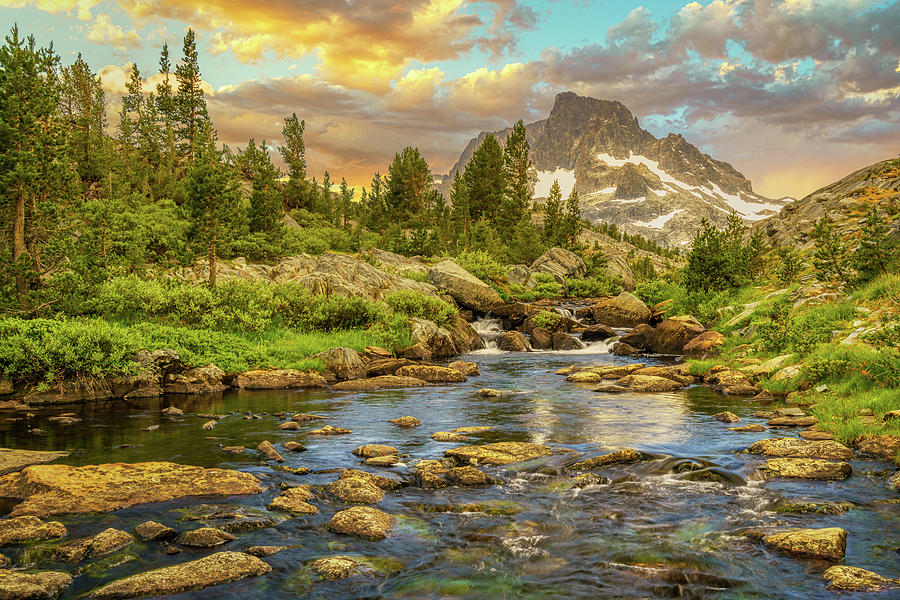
(649, 534)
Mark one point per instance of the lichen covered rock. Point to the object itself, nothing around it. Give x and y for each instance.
(499, 453)
(828, 543)
(362, 521)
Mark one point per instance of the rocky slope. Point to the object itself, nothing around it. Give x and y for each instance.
(846, 202)
(659, 188)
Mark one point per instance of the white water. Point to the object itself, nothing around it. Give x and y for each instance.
(490, 329)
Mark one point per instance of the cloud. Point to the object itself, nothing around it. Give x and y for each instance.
(103, 31)
(81, 7)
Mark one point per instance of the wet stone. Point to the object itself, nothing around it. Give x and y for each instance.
(330, 430)
(621, 457)
(448, 436)
(820, 508)
(263, 551)
(268, 450)
(205, 537)
(816, 435)
(828, 543)
(19, 585)
(356, 490)
(294, 446)
(362, 521)
(587, 479)
(294, 500)
(406, 422)
(332, 568)
(726, 417)
(151, 531)
(854, 579)
(104, 543)
(488, 393)
(385, 483)
(374, 450)
(289, 426)
(797, 448)
(382, 461)
(303, 417)
(806, 468)
(467, 476)
(753, 428)
(500, 453)
(22, 530)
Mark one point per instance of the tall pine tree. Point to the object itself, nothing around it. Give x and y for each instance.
(485, 180)
(190, 102)
(517, 194)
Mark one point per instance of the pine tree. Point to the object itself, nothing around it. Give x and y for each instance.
(212, 197)
(830, 255)
(294, 154)
(325, 204)
(265, 196)
(485, 180)
(409, 182)
(573, 225)
(708, 267)
(553, 217)
(346, 207)
(875, 253)
(517, 194)
(83, 105)
(525, 243)
(459, 201)
(166, 106)
(789, 265)
(190, 103)
(736, 251)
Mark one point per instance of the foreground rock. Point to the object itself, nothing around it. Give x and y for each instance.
(16, 460)
(332, 568)
(513, 341)
(878, 446)
(356, 490)
(151, 531)
(806, 468)
(104, 543)
(829, 543)
(407, 422)
(625, 310)
(374, 450)
(641, 384)
(378, 383)
(17, 585)
(331, 430)
(671, 336)
(216, 569)
(294, 500)
(268, 450)
(707, 342)
(466, 289)
(797, 448)
(278, 379)
(431, 373)
(345, 363)
(61, 489)
(500, 453)
(620, 457)
(362, 521)
(854, 579)
(20, 530)
(205, 537)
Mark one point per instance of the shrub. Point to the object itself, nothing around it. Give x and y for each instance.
(592, 287)
(419, 276)
(546, 319)
(416, 304)
(482, 265)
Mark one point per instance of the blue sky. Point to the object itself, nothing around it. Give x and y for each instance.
(794, 93)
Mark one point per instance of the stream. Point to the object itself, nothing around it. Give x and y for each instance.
(648, 534)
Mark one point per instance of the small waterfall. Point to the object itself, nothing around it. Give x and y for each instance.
(488, 330)
(564, 312)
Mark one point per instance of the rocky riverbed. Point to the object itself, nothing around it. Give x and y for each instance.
(520, 482)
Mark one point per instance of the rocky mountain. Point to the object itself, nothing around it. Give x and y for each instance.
(845, 202)
(659, 188)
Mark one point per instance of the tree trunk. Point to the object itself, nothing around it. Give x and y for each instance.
(212, 264)
(19, 244)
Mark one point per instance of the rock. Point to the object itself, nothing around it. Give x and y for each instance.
(829, 543)
(519, 275)
(294, 500)
(562, 264)
(216, 569)
(294, 446)
(796, 448)
(330, 430)
(894, 481)
(62, 489)
(624, 310)
(513, 341)
(416, 353)
(488, 393)
(357, 490)
(643, 383)
(263, 551)
(385, 483)
(289, 426)
(595, 374)
(362, 521)
(806, 468)
(465, 288)
(447, 436)
(564, 342)
(151, 531)
(104, 543)
(197, 380)
(792, 421)
(19, 585)
(728, 417)
(789, 412)
(891, 415)
(623, 349)
(820, 508)
(332, 568)
(878, 446)
(406, 422)
(638, 337)
(619, 457)
(499, 453)
(376, 383)
(172, 411)
(810, 434)
(704, 344)
(597, 333)
(16, 460)
(431, 480)
(772, 365)
(667, 372)
(465, 338)
(372, 450)
(269, 451)
(234, 449)
(278, 379)
(23, 530)
(587, 479)
(205, 537)
(467, 476)
(382, 461)
(670, 336)
(209, 425)
(788, 373)
(854, 579)
(469, 369)
(61, 420)
(473, 429)
(541, 339)
(303, 417)
(431, 373)
(345, 363)
(754, 427)
(386, 366)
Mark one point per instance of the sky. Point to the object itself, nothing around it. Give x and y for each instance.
(793, 93)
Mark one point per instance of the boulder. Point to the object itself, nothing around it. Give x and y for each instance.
(345, 363)
(151, 531)
(854, 579)
(878, 446)
(378, 383)
(216, 569)
(465, 288)
(513, 341)
(437, 340)
(383, 461)
(706, 343)
(788, 373)
(431, 373)
(726, 417)
(623, 349)
(772, 365)
(63, 489)
(19, 585)
(638, 337)
(488, 393)
(829, 543)
(465, 338)
(469, 369)
(357, 490)
(467, 475)
(386, 366)
(541, 339)
(104, 543)
(331, 430)
(499, 453)
(205, 537)
(797, 448)
(670, 336)
(597, 333)
(565, 342)
(417, 352)
(294, 500)
(268, 450)
(642, 383)
(263, 551)
(806, 468)
(560, 263)
(619, 457)
(294, 446)
(811, 434)
(198, 380)
(385, 483)
(23, 530)
(754, 427)
(372, 450)
(16, 460)
(448, 436)
(792, 422)
(625, 310)
(519, 275)
(406, 422)
(673, 373)
(362, 521)
(333, 568)
(599, 373)
(278, 379)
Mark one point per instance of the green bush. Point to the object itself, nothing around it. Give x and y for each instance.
(419, 276)
(416, 304)
(593, 287)
(482, 265)
(546, 319)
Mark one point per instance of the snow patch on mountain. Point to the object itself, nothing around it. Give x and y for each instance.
(659, 222)
(565, 177)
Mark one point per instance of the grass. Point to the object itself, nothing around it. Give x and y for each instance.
(286, 349)
(842, 414)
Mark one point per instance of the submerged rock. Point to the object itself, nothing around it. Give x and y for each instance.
(268, 450)
(294, 446)
(303, 417)
(806, 468)
(332, 568)
(473, 429)
(467, 476)
(278, 379)
(499, 453)
(599, 373)
(828, 543)
(797, 448)
(406, 422)
(205, 537)
(22, 530)
(641, 383)
(216, 569)
(488, 393)
(294, 500)
(372, 450)
(385, 483)
(358, 490)
(263, 551)
(727, 417)
(382, 461)
(151, 531)
(362, 521)
(16, 460)
(431, 373)
(448, 436)
(469, 369)
(104, 543)
(378, 383)
(331, 430)
(753, 427)
(854, 579)
(18, 585)
(588, 479)
(620, 457)
(821, 508)
(62, 489)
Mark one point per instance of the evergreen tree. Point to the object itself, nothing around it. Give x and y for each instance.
(708, 268)
(459, 201)
(346, 207)
(875, 253)
(212, 198)
(325, 203)
(265, 195)
(789, 266)
(525, 245)
(376, 218)
(190, 103)
(572, 224)
(83, 105)
(409, 182)
(518, 193)
(485, 180)
(294, 154)
(553, 217)
(166, 107)
(830, 255)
